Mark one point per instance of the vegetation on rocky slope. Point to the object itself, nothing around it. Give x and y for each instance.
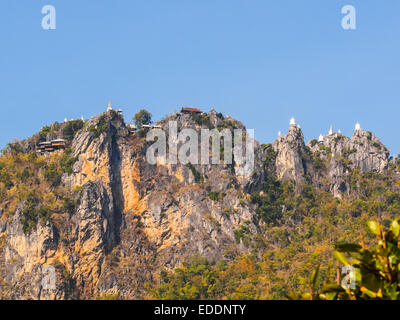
(117, 227)
(294, 242)
(370, 273)
(33, 183)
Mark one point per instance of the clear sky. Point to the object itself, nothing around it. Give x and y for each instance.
(259, 61)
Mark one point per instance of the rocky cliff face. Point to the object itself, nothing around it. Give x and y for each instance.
(291, 155)
(329, 162)
(133, 218)
(342, 155)
(129, 211)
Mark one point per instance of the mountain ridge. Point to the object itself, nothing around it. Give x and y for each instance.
(109, 221)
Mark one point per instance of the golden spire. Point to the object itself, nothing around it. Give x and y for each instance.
(109, 106)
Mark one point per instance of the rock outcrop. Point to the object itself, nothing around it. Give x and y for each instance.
(290, 158)
(327, 163)
(131, 211)
(132, 218)
(363, 152)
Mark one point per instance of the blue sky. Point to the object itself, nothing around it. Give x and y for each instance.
(261, 62)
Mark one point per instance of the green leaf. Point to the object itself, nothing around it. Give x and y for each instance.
(370, 282)
(314, 277)
(329, 288)
(348, 247)
(341, 257)
(395, 228)
(373, 227)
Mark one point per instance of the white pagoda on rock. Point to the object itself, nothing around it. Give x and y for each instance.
(109, 108)
(279, 134)
(358, 127)
(292, 122)
(321, 138)
(331, 131)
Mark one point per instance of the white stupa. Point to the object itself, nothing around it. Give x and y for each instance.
(82, 118)
(298, 126)
(279, 134)
(292, 122)
(321, 138)
(331, 131)
(358, 127)
(339, 132)
(109, 107)
(65, 120)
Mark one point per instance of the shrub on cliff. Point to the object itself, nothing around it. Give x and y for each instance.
(142, 117)
(33, 212)
(67, 161)
(71, 128)
(100, 127)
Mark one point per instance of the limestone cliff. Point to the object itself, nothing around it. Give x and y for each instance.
(132, 218)
(342, 155)
(291, 155)
(145, 216)
(328, 163)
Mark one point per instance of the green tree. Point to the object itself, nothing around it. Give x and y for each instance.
(71, 128)
(376, 272)
(142, 117)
